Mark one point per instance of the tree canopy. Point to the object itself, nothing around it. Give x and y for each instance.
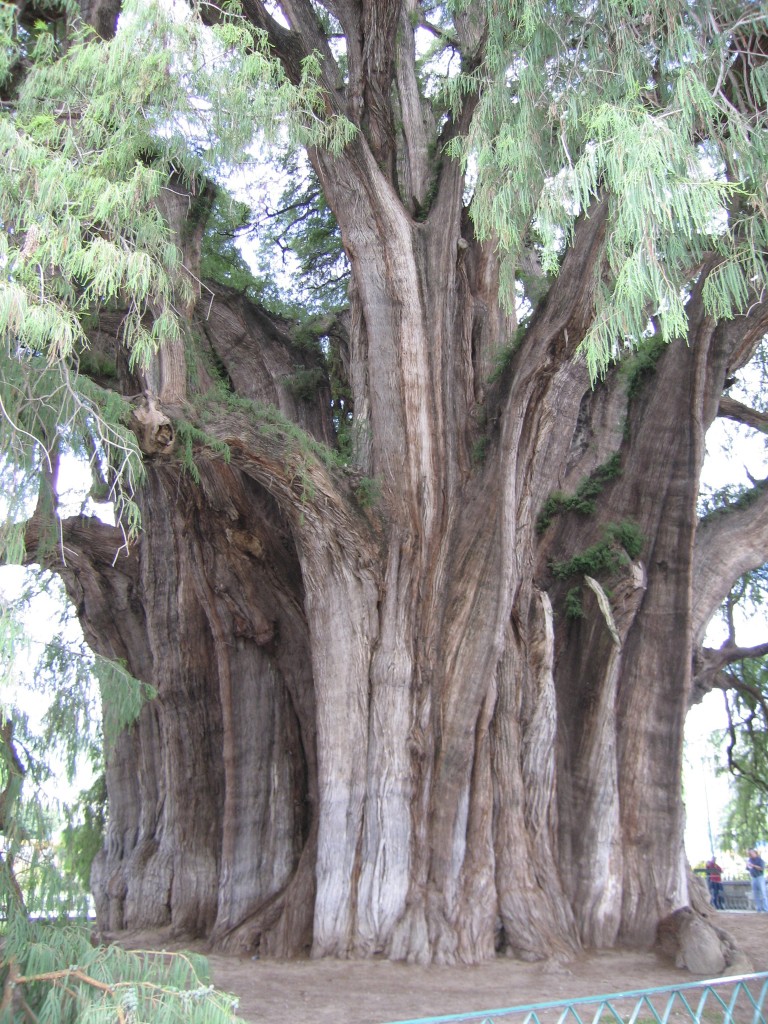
(548, 108)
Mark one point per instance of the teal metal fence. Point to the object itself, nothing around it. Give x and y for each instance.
(738, 1000)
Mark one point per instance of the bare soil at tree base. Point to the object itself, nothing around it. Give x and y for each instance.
(378, 991)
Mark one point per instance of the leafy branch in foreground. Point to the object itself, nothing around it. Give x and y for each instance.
(53, 973)
(56, 692)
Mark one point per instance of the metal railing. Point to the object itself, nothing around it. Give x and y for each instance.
(737, 895)
(737, 1000)
(737, 892)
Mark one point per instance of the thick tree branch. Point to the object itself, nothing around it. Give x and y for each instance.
(472, 30)
(344, 11)
(349, 13)
(101, 15)
(717, 658)
(744, 334)
(370, 29)
(736, 765)
(381, 19)
(104, 542)
(101, 574)
(416, 173)
(709, 670)
(563, 319)
(729, 681)
(728, 544)
(290, 467)
(292, 46)
(303, 19)
(733, 410)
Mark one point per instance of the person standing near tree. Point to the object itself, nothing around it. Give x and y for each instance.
(756, 869)
(715, 883)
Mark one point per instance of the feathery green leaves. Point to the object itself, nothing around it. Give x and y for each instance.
(651, 108)
(62, 977)
(56, 694)
(93, 137)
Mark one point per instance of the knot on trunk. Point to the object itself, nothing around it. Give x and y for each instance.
(153, 429)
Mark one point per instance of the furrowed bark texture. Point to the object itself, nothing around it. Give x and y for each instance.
(448, 724)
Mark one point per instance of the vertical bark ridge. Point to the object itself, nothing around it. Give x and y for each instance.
(536, 920)
(380, 22)
(187, 836)
(590, 763)
(237, 831)
(402, 359)
(261, 833)
(386, 301)
(340, 603)
(546, 389)
(416, 171)
(478, 905)
(657, 715)
(387, 841)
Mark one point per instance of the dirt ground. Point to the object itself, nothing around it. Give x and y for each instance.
(377, 991)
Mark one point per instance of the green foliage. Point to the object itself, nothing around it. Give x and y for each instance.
(193, 438)
(480, 450)
(42, 404)
(221, 260)
(68, 687)
(745, 743)
(731, 498)
(304, 224)
(502, 360)
(342, 406)
(79, 213)
(122, 698)
(631, 105)
(270, 422)
(59, 976)
(641, 364)
(83, 835)
(368, 492)
(81, 191)
(749, 592)
(628, 535)
(52, 971)
(573, 606)
(92, 364)
(743, 823)
(304, 382)
(584, 500)
(620, 543)
(742, 749)
(295, 243)
(79, 228)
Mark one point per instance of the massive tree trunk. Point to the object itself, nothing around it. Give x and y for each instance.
(448, 722)
(379, 730)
